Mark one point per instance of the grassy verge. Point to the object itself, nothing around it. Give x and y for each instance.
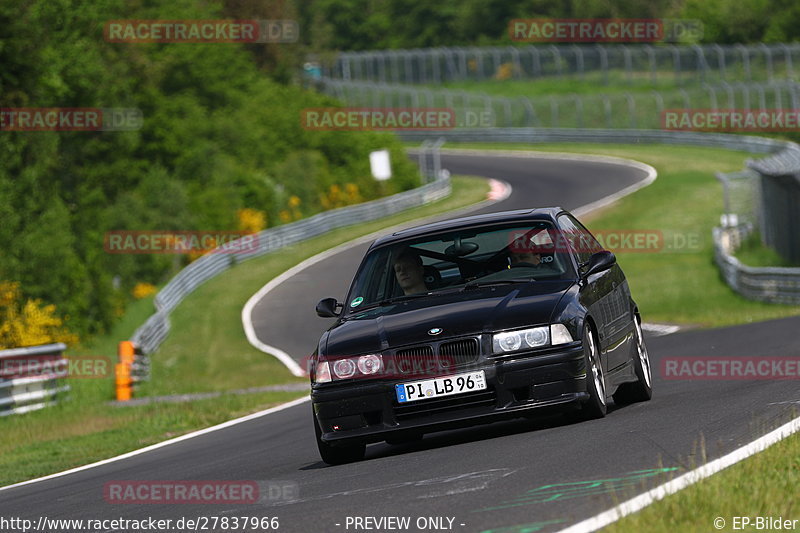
(680, 284)
(753, 253)
(764, 485)
(206, 351)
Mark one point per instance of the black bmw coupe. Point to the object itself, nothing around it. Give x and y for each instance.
(470, 320)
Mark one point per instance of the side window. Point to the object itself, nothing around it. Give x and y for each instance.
(581, 241)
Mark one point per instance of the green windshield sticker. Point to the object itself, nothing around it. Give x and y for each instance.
(356, 302)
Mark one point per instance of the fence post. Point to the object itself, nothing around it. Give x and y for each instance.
(676, 63)
(723, 71)
(579, 61)
(536, 61)
(651, 58)
(557, 60)
(626, 54)
(745, 60)
(787, 53)
(631, 109)
(768, 59)
(603, 62)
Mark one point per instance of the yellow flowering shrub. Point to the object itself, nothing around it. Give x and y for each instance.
(252, 220)
(143, 290)
(336, 197)
(29, 323)
(504, 71)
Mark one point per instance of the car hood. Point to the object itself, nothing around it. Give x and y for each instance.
(457, 314)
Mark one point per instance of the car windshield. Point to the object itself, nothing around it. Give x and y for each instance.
(459, 260)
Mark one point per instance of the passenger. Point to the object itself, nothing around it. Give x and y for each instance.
(409, 272)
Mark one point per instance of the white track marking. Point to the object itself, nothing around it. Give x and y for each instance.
(660, 329)
(671, 487)
(650, 172)
(156, 446)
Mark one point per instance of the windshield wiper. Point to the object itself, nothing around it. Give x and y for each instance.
(490, 283)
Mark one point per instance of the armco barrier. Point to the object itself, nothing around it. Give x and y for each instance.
(29, 377)
(153, 332)
(768, 284)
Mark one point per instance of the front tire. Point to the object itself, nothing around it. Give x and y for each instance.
(337, 455)
(642, 389)
(595, 406)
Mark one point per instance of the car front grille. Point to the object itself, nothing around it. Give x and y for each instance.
(459, 353)
(436, 357)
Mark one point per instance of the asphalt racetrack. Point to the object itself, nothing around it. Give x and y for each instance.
(542, 474)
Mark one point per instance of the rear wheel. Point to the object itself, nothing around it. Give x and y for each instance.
(337, 455)
(642, 389)
(595, 406)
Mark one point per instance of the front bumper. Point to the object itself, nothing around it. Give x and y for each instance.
(370, 412)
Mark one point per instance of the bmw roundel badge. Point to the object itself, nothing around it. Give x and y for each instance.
(435, 331)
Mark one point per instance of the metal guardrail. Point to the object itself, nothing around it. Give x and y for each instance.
(629, 110)
(152, 333)
(769, 284)
(628, 64)
(29, 377)
(749, 143)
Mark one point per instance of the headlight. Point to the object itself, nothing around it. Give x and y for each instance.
(349, 367)
(525, 339)
(344, 368)
(369, 364)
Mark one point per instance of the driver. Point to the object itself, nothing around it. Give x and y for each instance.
(525, 258)
(409, 272)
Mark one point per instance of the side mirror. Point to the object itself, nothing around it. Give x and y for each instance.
(599, 262)
(326, 308)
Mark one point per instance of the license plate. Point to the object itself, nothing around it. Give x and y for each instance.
(437, 387)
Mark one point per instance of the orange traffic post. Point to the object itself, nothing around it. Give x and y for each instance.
(123, 382)
(126, 352)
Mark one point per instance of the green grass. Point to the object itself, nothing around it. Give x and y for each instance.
(753, 253)
(763, 485)
(673, 286)
(205, 351)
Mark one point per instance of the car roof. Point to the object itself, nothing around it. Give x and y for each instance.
(541, 213)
